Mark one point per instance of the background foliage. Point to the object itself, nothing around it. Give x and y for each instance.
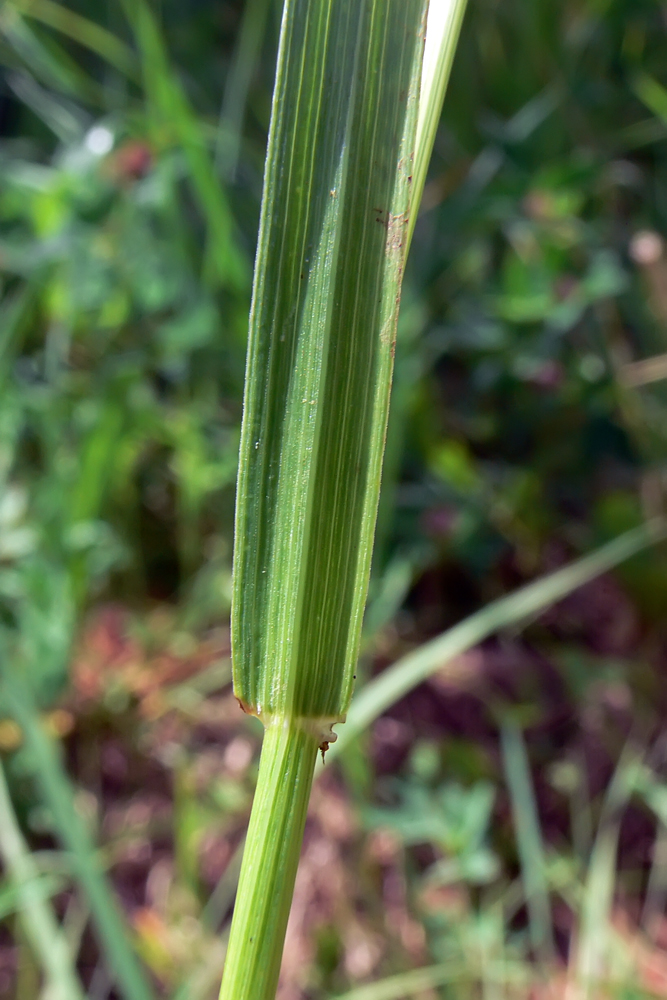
(503, 826)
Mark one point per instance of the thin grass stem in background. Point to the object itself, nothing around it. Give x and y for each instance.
(417, 666)
(330, 261)
(421, 981)
(58, 796)
(529, 840)
(656, 890)
(406, 984)
(170, 113)
(593, 934)
(46, 937)
(239, 79)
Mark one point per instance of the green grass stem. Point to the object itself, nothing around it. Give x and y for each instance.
(270, 862)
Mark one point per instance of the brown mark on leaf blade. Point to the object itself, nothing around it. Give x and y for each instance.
(245, 707)
(395, 248)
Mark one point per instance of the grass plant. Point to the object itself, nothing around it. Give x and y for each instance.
(124, 301)
(333, 239)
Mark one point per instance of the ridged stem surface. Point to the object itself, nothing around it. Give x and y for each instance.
(270, 861)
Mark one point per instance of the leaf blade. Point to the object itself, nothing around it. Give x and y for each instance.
(327, 283)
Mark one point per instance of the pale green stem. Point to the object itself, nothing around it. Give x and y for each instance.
(591, 956)
(529, 839)
(270, 861)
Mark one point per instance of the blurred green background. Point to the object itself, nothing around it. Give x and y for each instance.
(502, 830)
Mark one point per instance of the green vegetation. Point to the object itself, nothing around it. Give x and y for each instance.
(492, 818)
(332, 248)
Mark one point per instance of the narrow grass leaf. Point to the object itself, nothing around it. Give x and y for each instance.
(656, 889)
(82, 30)
(653, 94)
(171, 113)
(442, 34)
(15, 313)
(418, 982)
(244, 65)
(593, 935)
(407, 984)
(44, 57)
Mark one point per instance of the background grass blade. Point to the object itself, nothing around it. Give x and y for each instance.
(591, 958)
(39, 922)
(407, 984)
(172, 114)
(418, 982)
(58, 795)
(529, 839)
(82, 30)
(327, 286)
(239, 79)
(418, 665)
